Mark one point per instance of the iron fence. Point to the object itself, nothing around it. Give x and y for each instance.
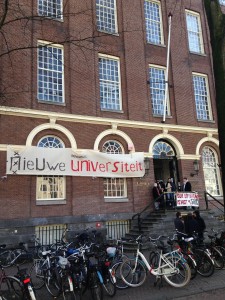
(117, 229)
(49, 234)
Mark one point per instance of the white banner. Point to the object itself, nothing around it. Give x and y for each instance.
(65, 161)
(187, 199)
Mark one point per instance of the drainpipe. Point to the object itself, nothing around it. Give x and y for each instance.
(167, 70)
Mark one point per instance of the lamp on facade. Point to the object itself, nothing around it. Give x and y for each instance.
(147, 165)
(196, 168)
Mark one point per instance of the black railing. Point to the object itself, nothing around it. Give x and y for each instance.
(117, 229)
(206, 194)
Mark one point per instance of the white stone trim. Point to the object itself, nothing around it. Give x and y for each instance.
(206, 139)
(54, 126)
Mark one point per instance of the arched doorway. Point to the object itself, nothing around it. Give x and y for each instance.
(164, 161)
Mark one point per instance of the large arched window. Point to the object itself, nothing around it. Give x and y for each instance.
(50, 187)
(114, 188)
(211, 171)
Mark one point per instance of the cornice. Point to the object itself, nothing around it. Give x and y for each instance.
(54, 117)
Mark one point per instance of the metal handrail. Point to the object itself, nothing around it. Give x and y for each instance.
(138, 215)
(216, 200)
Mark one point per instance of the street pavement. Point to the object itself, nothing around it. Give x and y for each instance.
(201, 288)
(210, 288)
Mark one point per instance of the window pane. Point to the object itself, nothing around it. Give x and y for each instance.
(211, 172)
(153, 22)
(157, 90)
(50, 73)
(109, 84)
(201, 97)
(50, 187)
(194, 33)
(114, 187)
(50, 8)
(106, 15)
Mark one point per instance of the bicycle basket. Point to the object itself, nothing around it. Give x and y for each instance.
(63, 261)
(111, 251)
(40, 266)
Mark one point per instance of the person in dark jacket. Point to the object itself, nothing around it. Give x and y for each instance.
(201, 223)
(191, 225)
(178, 222)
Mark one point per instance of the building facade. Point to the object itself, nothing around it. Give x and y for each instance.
(97, 74)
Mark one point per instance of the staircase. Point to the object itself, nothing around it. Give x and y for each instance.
(162, 223)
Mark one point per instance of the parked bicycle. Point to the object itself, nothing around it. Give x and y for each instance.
(171, 267)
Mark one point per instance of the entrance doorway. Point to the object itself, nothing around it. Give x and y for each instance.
(165, 162)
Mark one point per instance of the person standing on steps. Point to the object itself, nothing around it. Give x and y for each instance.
(186, 187)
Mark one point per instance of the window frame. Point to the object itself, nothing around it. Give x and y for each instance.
(115, 18)
(162, 41)
(58, 46)
(200, 33)
(50, 16)
(106, 180)
(39, 184)
(117, 59)
(216, 170)
(210, 114)
(168, 110)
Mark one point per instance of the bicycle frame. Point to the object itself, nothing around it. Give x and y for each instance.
(165, 266)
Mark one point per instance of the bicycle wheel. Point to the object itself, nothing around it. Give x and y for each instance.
(6, 258)
(154, 259)
(120, 284)
(218, 258)
(205, 265)
(192, 265)
(95, 287)
(37, 275)
(109, 286)
(16, 288)
(7, 293)
(133, 272)
(53, 282)
(177, 273)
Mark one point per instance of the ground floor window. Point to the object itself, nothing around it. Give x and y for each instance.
(49, 234)
(211, 171)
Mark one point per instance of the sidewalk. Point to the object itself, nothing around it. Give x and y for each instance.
(211, 288)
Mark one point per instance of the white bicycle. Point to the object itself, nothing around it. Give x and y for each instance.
(170, 266)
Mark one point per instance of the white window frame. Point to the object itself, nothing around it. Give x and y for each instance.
(148, 20)
(168, 111)
(105, 106)
(48, 14)
(197, 34)
(43, 187)
(113, 181)
(214, 171)
(105, 9)
(208, 111)
(48, 84)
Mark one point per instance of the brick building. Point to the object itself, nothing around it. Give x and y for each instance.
(92, 74)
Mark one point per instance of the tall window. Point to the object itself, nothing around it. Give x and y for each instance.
(153, 22)
(194, 32)
(211, 171)
(114, 187)
(106, 16)
(50, 187)
(50, 73)
(50, 9)
(202, 97)
(110, 86)
(157, 90)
